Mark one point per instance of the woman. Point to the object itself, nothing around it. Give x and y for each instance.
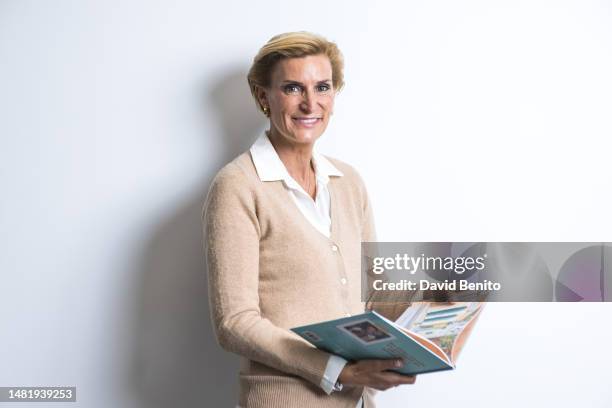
(283, 227)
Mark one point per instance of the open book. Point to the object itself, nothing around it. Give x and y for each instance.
(427, 336)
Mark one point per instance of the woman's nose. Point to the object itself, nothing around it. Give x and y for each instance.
(308, 101)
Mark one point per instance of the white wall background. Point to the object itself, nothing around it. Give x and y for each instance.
(471, 120)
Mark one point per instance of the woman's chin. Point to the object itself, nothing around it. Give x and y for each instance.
(301, 136)
(306, 137)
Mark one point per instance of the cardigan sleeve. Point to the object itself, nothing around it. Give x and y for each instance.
(231, 238)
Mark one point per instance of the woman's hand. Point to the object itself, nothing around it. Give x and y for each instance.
(371, 373)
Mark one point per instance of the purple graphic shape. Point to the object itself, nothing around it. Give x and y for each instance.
(584, 275)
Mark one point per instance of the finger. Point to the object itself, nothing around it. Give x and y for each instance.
(397, 379)
(380, 365)
(382, 386)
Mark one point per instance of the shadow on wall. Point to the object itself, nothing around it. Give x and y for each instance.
(176, 359)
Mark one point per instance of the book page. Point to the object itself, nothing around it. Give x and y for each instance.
(429, 345)
(446, 324)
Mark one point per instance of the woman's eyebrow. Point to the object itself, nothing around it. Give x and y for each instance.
(290, 81)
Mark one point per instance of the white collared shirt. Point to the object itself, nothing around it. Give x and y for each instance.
(270, 168)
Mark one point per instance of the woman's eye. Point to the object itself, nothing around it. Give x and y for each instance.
(292, 89)
(323, 88)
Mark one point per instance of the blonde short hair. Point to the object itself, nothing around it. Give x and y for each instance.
(293, 45)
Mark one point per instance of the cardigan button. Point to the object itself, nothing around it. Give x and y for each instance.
(335, 248)
(343, 280)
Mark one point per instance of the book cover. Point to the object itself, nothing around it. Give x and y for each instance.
(427, 339)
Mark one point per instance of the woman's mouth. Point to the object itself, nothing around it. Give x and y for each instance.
(306, 122)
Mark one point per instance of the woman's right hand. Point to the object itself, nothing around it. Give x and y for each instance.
(373, 374)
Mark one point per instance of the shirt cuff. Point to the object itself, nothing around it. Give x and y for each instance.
(333, 369)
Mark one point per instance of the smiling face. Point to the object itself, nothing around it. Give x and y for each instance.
(300, 99)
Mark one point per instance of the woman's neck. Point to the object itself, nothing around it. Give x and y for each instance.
(297, 159)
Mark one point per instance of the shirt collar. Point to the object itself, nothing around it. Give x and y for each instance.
(270, 167)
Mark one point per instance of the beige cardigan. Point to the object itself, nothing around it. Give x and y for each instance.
(270, 270)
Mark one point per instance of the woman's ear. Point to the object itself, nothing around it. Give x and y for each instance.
(262, 97)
